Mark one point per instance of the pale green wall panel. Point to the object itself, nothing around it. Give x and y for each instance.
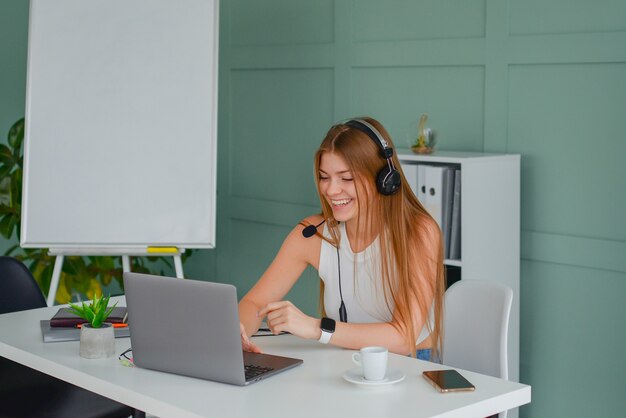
(573, 250)
(573, 340)
(13, 48)
(430, 19)
(453, 97)
(13, 40)
(256, 245)
(280, 119)
(567, 121)
(566, 16)
(276, 22)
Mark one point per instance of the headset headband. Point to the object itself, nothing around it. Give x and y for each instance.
(388, 179)
(373, 133)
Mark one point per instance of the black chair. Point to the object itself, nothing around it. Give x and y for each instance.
(25, 392)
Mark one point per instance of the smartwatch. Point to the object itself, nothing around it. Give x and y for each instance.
(328, 327)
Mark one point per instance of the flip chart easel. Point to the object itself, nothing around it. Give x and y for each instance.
(125, 253)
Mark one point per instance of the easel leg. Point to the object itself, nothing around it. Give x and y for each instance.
(54, 282)
(178, 266)
(125, 263)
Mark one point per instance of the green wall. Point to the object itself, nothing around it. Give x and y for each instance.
(543, 78)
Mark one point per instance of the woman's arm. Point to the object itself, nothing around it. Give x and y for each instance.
(293, 257)
(284, 316)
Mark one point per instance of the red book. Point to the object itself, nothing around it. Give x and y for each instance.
(66, 318)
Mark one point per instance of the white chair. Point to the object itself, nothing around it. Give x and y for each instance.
(476, 324)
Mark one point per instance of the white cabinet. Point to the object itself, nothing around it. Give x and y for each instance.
(490, 223)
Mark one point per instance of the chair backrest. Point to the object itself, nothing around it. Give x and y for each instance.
(476, 323)
(18, 289)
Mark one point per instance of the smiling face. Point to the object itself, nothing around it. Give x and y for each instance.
(338, 186)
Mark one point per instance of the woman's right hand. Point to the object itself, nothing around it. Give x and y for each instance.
(246, 344)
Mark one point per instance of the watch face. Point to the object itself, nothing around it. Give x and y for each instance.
(328, 325)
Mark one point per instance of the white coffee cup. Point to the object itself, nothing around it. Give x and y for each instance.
(373, 360)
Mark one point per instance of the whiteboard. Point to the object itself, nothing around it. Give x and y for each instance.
(121, 124)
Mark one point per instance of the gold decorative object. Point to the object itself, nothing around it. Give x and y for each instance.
(425, 142)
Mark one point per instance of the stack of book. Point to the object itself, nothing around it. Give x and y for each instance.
(66, 318)
(438, 188)
(65, 325)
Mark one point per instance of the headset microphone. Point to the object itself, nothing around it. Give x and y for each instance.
(311, 230)
(308, 232)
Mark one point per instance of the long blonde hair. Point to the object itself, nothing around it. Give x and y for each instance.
(398, 219)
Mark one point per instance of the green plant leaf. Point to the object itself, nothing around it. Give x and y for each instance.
(64, 291)
(11, 249)
(4, 209)
(6, 226)
(16, 134)
(5, 191)
(5, 169)
(6, 157)
(16, 190)
(107, 278)
(108, 312)
(100, 311)
(89, 312)
(78, 310)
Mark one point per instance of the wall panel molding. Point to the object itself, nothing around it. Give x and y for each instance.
(269, 212)
(469, 51)
(426, 19)
(280, 22)
(565, 16)
(290, 56)
(544, 49)
(571, 250)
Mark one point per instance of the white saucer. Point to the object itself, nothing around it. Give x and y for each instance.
(356, 376)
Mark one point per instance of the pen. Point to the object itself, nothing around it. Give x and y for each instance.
(114, 325)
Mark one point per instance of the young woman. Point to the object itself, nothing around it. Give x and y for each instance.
(378, 253)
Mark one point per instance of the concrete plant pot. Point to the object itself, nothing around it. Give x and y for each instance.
(97, 342)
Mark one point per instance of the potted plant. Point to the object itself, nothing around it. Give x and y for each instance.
(97, 337)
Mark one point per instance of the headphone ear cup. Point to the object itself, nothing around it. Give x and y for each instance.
(388, 181)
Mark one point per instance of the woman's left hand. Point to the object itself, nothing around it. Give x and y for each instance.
(284, 316)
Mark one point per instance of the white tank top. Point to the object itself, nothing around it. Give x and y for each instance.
(361, 284)
(362, 289)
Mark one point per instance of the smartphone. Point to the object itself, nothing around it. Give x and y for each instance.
(447, 380)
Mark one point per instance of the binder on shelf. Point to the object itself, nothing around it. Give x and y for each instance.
(455, 227)
(434, 192)
(410, 172)
(421, 183)
(447, 196)
(439, 184)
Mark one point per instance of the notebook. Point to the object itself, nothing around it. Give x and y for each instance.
(59, 334)
(191, 328)
(65, 317)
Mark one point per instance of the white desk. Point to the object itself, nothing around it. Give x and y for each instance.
(313, 389)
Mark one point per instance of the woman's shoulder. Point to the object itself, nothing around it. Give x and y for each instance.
(306, 243)
(312, 220)
(308, 227)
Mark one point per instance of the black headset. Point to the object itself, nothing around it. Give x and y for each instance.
(388, 179)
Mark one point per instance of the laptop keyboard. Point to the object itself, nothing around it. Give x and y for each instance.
(253, 371)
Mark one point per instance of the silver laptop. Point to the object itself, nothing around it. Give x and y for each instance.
(191, 328)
